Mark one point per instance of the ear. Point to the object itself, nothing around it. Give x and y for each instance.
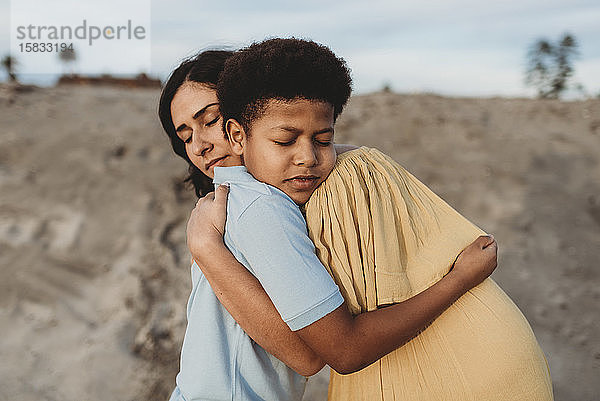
(236, 135)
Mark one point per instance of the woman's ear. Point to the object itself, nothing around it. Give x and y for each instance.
(236, 135)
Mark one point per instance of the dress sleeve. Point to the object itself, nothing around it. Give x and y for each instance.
(272, 236)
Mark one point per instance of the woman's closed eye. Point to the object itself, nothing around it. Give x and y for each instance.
(213, 121)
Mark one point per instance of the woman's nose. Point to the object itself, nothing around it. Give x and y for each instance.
(199, 145)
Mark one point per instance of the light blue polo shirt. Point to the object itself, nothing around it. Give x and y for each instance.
(266, 232)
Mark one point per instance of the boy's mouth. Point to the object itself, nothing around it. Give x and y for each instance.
(302, 182)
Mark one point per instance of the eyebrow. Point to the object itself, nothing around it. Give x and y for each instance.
(298, 131)
(195, 116)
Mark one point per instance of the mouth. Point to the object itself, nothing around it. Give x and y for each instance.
(214, 162)
(303, 182)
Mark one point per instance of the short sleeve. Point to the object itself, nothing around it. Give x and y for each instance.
(271, 234)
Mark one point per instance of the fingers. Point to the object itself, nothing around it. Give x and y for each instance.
(491, 242)
(220, 194)
(484, 241)
(208, 197)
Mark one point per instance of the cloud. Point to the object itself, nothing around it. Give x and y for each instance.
(473, 73)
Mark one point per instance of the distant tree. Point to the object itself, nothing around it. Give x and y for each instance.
(550, 65)
(67, 57)
(9, 63)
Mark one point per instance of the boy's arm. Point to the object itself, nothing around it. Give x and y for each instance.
(369, 336)
(349, 343)
(242, 294)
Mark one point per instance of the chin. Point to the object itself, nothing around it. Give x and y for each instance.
(300, 200)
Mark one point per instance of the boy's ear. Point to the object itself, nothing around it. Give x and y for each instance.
(236, 136)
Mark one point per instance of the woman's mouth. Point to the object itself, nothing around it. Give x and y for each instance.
(215, 162)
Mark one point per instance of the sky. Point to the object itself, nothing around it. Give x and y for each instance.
(452, 47)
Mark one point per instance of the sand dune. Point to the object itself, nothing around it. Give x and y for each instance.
(94, 269)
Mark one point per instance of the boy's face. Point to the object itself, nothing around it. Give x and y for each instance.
(289, 147)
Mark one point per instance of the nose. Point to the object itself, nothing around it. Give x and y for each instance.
(199, 145)
(306, 155)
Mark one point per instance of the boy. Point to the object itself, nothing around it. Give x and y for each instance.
(279, 100)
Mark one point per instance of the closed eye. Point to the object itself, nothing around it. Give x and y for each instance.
(213, 122)
(288, 143)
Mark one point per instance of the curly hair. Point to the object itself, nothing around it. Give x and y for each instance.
(203, 68)
(282, 69)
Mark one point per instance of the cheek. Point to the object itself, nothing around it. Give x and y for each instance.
(233, 160)
(216, 134)
(329, 159)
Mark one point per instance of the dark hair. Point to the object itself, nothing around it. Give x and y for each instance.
(203, 68)
(283, 69)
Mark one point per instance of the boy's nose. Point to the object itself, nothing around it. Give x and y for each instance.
(306, 156)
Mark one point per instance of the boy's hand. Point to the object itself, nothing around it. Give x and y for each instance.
(206, 225)
(476, 262)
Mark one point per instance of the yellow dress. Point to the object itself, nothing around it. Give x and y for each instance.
(384, 237)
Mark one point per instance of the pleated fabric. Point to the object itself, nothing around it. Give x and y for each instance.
(384, 237)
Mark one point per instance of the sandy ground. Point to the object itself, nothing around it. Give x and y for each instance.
(94, 271)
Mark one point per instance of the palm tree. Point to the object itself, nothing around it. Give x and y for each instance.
(67, 57)
(9, 63)
(550, 66)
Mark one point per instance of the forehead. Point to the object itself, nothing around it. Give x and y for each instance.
(298, 111)
(189, 98)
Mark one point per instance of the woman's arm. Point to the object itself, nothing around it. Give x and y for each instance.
(241, 293)
(365, 338)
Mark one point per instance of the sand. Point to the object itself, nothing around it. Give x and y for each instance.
(95, 273)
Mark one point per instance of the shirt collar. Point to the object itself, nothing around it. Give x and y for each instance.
(239, 175)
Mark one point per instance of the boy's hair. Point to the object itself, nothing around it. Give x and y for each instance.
(282, 69)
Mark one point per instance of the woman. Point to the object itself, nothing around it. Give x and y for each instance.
(196, 79)
(410, 372)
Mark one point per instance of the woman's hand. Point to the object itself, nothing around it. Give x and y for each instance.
(206, 225)
(476, 262)
(238, 290)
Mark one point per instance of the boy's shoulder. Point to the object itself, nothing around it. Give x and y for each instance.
(267, 205)
(252, 199)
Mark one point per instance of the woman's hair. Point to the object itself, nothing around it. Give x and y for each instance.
(283, 69)
(203, 68)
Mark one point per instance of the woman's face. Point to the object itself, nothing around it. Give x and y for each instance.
(197, 121)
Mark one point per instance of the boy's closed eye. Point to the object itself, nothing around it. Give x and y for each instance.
(321, 142)
(324, 140)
